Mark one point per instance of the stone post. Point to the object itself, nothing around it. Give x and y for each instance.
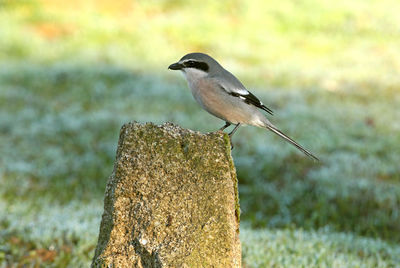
(171, 201)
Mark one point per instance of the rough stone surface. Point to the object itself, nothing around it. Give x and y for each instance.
(171, 201)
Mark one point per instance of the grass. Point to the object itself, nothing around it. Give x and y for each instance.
(328, 70)
(55, 244)
(322, 248)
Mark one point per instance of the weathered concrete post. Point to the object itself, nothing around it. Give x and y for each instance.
(171, 201)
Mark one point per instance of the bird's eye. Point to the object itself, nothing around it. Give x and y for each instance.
(196, 64)
(189, 63)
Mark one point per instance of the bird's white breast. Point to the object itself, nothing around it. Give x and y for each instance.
(195, 78)
(193, 75)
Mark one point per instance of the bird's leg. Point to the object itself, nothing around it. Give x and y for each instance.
(233, 132)
(227, 124)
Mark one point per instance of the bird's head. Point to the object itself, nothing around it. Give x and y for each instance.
(199, 63)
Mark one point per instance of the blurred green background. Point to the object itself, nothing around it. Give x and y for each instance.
(72, 72)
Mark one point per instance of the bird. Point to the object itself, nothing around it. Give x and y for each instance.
(221, 94)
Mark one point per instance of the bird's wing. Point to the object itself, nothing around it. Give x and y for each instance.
(235, 88)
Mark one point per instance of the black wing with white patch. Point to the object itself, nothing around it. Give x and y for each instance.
(234, 87)
(249, 98)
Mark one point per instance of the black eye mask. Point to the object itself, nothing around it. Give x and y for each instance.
(197, 65)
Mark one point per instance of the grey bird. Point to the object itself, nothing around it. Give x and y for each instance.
(221, 94)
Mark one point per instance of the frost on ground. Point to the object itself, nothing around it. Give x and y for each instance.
(70, 233)
(50, 233)
(299, 248)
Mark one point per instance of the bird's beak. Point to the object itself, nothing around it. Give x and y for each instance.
(175, 66)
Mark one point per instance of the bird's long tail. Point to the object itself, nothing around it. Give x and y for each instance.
(282, 135)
